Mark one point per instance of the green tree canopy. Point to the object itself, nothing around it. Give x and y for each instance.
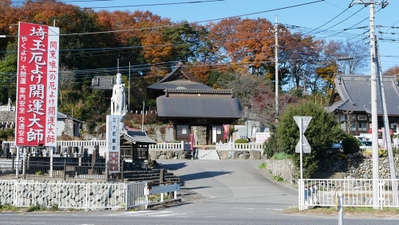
(322, 132)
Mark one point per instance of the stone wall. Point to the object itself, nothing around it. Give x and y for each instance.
(167, 154)
(76, 195)
(235, 154)
(284, 168)
(363, 167)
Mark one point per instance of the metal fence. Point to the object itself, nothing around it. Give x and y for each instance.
(135, 195)
(355, 192)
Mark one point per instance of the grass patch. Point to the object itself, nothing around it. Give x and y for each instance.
(357, 211)
(34, 208)
(8, 207)
(263, 165)
(39, 173)
(281, 156)
(278, 179)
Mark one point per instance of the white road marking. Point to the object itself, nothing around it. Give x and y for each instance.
(149, 213)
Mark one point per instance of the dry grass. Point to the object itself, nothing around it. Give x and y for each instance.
(350, 211)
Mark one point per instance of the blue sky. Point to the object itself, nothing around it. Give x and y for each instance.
(307, 17)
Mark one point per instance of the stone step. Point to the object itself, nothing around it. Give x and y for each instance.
(208, 155)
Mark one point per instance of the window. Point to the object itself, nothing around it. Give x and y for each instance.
(353, 126)
(362, 126)
(362, 117)
(341, 118)
(182, 130)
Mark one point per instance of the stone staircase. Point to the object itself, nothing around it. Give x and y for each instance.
(208, 154)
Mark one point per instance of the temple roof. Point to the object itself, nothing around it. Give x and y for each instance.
(179, 78)
(355, 94)
(201, 105)
(137, 136)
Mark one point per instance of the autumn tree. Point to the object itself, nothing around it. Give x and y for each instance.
(8, 68)
(339, 57)
(246, 41)
(393, 71)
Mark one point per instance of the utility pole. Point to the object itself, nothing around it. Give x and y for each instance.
(117, 65)
(373, 80)
(128, 93)
(142, 117)
(276, 64)
(388, 143)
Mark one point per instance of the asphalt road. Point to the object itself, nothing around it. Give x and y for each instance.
(215, 192)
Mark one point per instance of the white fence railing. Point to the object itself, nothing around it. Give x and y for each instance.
(167, 146)
(239, 146)
(355, 192)
(22, 193)
(76, 143)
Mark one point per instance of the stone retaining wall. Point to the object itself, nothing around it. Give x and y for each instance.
(167, 154)
(239, 154)
(363, 167)
(284, 168)
(77, 195)
(223, 154)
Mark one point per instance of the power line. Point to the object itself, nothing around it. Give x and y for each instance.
(195, 22)
(155, 4)
(344, 20)
(330, 20)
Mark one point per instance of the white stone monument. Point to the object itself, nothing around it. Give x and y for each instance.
(118, 100)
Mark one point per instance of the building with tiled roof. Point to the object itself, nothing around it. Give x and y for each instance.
(193, 107)
(351, 102)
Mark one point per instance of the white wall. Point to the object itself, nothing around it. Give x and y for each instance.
(60, 127)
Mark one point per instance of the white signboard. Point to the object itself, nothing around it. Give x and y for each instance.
(113, 143)
(305, 146)
(303, 123)
(261, 137)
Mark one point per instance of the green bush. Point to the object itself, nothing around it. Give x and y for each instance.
(34, 208)
(350, 145)
(278, 178)
(321, 133)
(270, 146)
(281, 156)
(263, 165)
(239, 141)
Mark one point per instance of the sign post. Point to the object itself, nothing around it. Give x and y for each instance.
(113, 144)
(339, 206)
(303, 146)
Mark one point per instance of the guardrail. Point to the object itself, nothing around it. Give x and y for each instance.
(355, 192)
(167, 146)
(239, 147)
(152, 192)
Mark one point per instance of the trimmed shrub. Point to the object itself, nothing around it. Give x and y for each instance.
(321, 133)
(350, 145)
(240, 141)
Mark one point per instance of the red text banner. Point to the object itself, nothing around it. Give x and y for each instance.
(37, 85)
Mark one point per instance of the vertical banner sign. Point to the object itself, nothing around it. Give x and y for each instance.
(226, 131)
(37, 85)
(113, 143)
(192, 142)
